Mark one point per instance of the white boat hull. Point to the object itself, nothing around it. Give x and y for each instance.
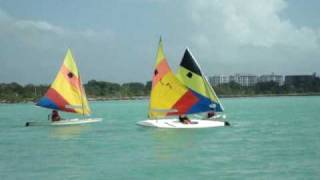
(65, 122)
(218, 117)
(175, 124)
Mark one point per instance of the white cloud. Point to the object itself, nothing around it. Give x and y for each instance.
(29, 31)
(39, 25)
(36, 46)
(226, 36)
(253, 22)
(234, 31)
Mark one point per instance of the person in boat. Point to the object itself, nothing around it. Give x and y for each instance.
(211, 114)
(55, 116)
(184, 119)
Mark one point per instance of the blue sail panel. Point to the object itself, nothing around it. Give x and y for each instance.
(47, 103)
(203, 104)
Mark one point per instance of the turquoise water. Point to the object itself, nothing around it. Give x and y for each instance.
(270, 138)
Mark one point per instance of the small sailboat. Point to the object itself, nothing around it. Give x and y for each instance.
(170, 98)
(192, 76)
(67, 94)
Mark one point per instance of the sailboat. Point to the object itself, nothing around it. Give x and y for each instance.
(191, 75)
(67, 94)
(171, 98)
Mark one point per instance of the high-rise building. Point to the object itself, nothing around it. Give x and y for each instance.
(251, 79)
(244, 79)
(299, 80)
(218, 79)
(272, 77)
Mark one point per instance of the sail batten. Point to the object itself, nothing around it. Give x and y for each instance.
(66, 93)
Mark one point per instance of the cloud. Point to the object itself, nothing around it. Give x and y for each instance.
(235, 31)
(8, 21)
(227, 37)
(255, 23)
(39, 25)
(29, 31)
(30, 48)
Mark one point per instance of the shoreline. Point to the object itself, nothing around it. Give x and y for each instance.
(270, 95)
(25, 101)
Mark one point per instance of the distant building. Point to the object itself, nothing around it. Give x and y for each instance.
(272, 77)
(251, 79)
(244, 79)
(219, 79)
(299, 80)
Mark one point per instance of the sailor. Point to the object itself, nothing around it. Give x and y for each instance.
(184, 119)
(211, 114)
(55, 116)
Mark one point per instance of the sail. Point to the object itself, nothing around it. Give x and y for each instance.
(66, 93)
(190, 74)
(168, 95)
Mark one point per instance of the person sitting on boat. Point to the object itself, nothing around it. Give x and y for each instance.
(184, 119)
(211, 114)
(55, 116)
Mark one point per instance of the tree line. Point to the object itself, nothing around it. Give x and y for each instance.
(97, 89)
(14, 92)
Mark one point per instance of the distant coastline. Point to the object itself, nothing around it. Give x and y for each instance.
(221, 96)
(106, 91)
(270, 95)
(22, 101)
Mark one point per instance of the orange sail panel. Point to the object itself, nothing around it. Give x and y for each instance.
(66, 93)
(168, 95)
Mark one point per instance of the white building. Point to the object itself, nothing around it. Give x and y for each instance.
(244, 79)
(219, 79)
(272, 77)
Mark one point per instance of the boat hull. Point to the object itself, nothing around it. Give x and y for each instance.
(218, 117)
(175, 124)
(65, 122)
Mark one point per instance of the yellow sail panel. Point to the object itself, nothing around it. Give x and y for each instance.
(66, 93)
(164, 96)
(71, 94)
(212, 95)
(86, 109)
(70, 64)
(166, 89)
(192, 81)
(160, 54)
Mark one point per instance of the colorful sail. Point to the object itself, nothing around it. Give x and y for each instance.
(66, 93)
(189, 73)
(168, 95)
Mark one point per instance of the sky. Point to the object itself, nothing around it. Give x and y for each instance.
(116, 40)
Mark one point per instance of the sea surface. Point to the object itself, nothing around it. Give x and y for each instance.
(270, 138)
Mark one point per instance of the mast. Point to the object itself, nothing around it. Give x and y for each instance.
(81, 95)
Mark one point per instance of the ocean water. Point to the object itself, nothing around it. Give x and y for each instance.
(270, 138)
